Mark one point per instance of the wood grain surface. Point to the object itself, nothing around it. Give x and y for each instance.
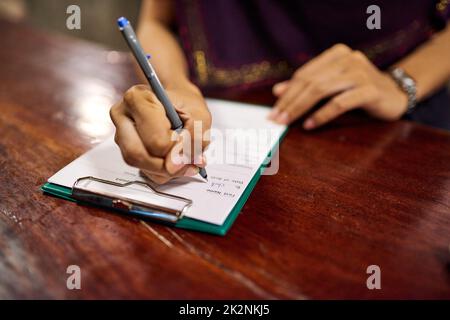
(356, 193)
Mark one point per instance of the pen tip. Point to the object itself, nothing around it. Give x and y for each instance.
(203, 174)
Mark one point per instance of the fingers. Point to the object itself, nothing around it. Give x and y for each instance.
(156, 178)
(133, 149)
(335, 70)
(279, 112)
(177, 164)
(310, 95)
(280, 88)
(310, 68)
(315, 93)
(145, 137)
(131, 146)
(199, 129)
(196, 133)
(324, 59)
(150, 119)
(312, 75)
(348, 100)
(187, 171)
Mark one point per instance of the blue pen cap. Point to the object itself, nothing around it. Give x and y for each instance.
(122, 22)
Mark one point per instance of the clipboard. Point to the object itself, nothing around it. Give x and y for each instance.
(181, 221)
(160, 206)
(82, 194)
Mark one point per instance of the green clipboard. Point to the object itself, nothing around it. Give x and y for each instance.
(184, 222)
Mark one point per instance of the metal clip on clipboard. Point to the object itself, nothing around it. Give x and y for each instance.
(134, 197)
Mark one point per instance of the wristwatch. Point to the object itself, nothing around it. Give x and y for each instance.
(407, 84)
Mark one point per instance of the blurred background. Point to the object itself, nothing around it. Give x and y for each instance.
(98, 17)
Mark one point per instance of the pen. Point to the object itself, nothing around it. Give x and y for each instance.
(130, 37)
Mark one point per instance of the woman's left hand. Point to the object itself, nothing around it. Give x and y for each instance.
(345, 76)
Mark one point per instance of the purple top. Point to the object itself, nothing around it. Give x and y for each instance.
(237, 45)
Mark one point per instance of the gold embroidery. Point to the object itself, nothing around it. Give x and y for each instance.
(209, 74)
(442, 5)
(248, 73)
(202, 68)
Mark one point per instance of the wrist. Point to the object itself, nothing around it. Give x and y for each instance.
(182, 84)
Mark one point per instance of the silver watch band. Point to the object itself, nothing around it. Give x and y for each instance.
(407, 84)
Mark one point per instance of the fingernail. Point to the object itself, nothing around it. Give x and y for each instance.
(274, 113)
(283, 118)
(191, 171)
(309, 124)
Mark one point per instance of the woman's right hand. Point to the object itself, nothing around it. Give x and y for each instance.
(145, 138)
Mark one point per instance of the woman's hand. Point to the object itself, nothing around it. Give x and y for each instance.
(345, 76)
(145, 138)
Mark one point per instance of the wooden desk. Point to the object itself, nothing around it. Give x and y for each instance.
(357, 193)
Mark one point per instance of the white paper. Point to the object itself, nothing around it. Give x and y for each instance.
(248, 138)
